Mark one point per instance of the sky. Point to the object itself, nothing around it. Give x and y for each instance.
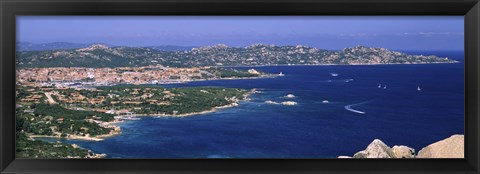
(326, 32)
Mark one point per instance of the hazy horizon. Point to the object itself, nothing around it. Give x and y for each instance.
(325, 32)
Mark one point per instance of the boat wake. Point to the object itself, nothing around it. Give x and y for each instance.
(349, 107)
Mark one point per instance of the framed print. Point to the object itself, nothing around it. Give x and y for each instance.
(254, 86)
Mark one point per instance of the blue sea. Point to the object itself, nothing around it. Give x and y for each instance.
(398, 115)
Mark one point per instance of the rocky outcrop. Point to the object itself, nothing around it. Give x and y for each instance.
(452, 147)
(376, 149)
(403, 152)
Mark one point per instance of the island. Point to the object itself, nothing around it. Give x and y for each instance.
(102, 56)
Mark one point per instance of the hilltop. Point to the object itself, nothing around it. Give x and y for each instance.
(28, 46)
(100, 55)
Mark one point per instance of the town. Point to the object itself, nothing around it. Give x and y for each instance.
(82, 103)
(158, 74)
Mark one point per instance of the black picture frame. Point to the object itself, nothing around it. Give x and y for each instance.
(10, 8)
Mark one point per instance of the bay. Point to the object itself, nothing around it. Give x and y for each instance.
(398, 114)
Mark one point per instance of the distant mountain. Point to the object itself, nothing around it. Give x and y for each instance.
(27, 46)
(99, 55)
(172, 48)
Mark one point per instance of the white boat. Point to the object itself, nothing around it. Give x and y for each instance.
(379, 85)
(334, 74)
(385, 87)
(289, 103)
(290, 96)
(325, 101)
(418, 88)
(281, 74)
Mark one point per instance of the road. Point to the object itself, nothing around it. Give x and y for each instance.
(49, 98)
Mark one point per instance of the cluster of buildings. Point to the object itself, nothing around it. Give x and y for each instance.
(105, 76)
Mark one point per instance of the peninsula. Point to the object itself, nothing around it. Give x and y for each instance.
(88, 113)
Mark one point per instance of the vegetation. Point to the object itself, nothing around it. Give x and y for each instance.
(56, 111)
(53, 120)
(76, 115)
(218, 55)
(26, 148)
(158, 100)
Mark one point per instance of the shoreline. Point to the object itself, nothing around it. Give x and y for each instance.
(71, 137)
(81, 85)
(184, 115)
(90, 153)
(238, 78)
(244, 66)
(176, 82)
(117, 129)
(359, 64)
(201, 80)
(214, 109)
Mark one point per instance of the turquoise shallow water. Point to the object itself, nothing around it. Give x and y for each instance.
(398, 115)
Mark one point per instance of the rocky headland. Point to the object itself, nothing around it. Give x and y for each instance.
(452, 147)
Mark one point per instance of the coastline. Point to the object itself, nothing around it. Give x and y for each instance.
(90, 153)
(70, 137)
(235, 78)
(333, 64)
(186, 114)
(117, 129)
(93, 84)
(179, 82)
(214, 109)
(197, 113)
